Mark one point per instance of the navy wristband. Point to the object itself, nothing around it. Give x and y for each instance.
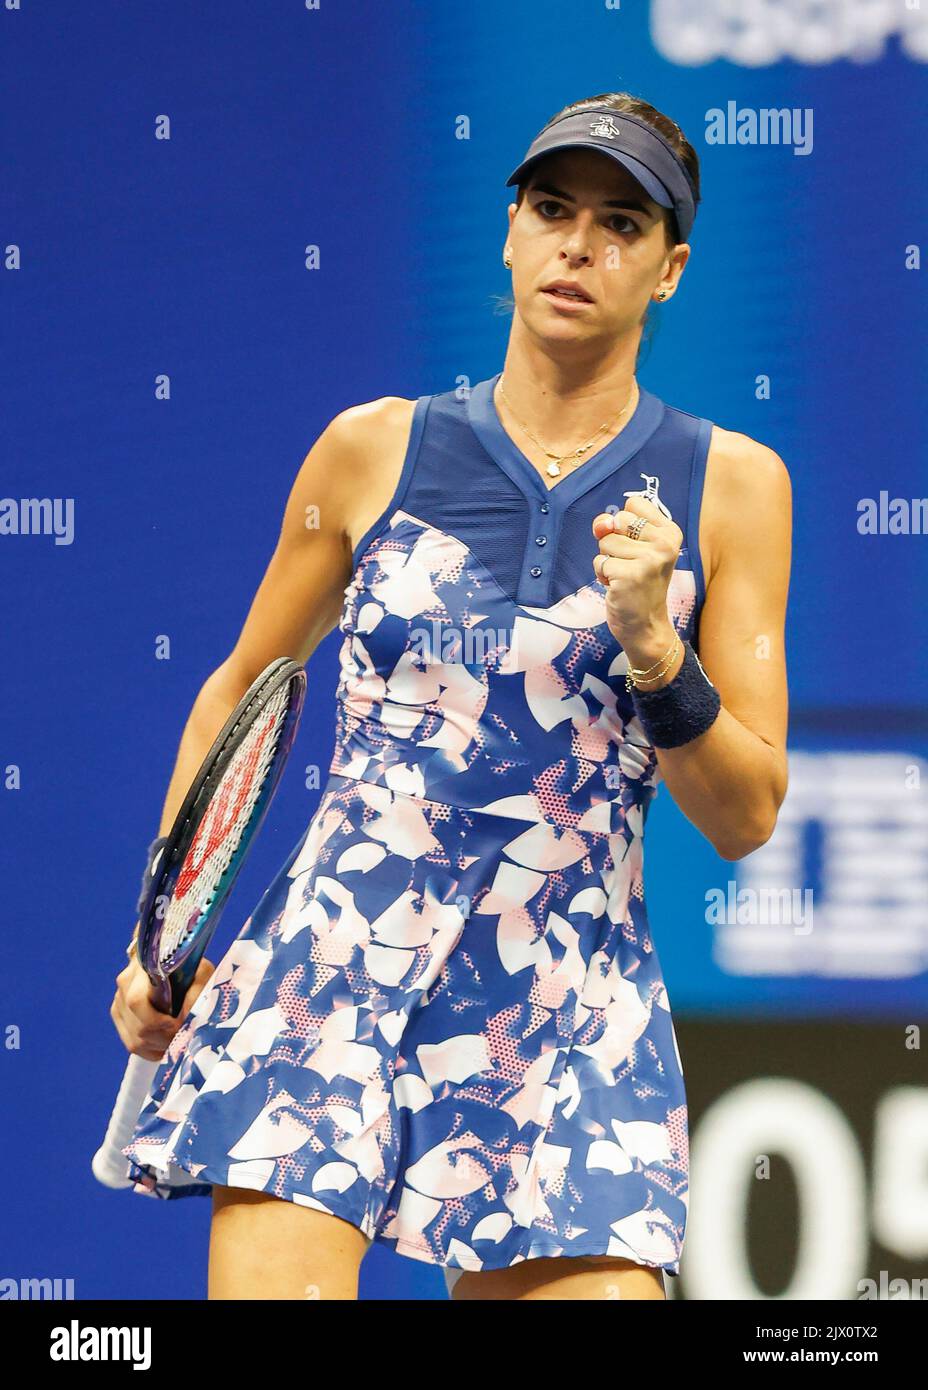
(681, 710)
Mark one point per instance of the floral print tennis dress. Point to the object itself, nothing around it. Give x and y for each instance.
(445, 1021)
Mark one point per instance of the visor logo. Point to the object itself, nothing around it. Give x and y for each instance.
(605, 127)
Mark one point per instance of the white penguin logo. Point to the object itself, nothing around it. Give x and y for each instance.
(649, 492)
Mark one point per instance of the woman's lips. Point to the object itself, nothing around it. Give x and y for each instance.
(566, 301)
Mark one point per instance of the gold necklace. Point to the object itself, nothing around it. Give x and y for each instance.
(554, 468)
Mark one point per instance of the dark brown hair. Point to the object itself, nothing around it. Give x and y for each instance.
(634, 106)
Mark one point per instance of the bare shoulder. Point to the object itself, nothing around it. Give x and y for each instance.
(746, 482)
(739, 461)
(371, 440)
(356, 423)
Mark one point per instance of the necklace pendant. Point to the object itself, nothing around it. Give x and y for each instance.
(554, 470)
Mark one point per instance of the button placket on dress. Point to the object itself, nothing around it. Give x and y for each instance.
(548, 505)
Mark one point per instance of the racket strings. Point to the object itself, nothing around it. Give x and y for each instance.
(222, 828)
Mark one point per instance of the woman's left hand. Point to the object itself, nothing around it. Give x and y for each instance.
(636, 573)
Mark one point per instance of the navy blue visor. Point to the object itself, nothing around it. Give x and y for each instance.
(639, 148)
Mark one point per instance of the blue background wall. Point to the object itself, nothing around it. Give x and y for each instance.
(340, 127)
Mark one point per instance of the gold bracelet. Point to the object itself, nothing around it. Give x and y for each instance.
(669, 658)
(642, 675)
(645, 669)
(633, 685)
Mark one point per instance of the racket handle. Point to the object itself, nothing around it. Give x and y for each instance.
(109, 1165)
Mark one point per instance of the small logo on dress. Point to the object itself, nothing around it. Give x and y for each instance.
(649, 493)
(605, 127)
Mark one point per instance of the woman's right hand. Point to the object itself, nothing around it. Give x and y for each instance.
(144, 1030)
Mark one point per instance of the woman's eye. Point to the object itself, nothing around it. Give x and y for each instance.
(627, 224)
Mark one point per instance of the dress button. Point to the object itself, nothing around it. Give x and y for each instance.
(541, 540)
(535, 571)
(544, 506)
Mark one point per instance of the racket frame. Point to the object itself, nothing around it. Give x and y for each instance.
(109, 1165)
(172, 985)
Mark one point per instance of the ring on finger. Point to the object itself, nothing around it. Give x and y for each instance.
(601, 574)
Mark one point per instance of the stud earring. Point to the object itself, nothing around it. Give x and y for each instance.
(507, 258)
(662, 295)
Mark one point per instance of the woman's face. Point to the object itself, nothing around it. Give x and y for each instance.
(585, 218)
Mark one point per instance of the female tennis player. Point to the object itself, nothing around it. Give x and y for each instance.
(445, 1027)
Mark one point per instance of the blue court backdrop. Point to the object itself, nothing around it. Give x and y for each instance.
(173, 345)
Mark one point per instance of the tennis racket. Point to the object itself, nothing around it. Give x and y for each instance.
(191, 873)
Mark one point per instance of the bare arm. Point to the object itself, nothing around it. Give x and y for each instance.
(297, 603)
(731, 781)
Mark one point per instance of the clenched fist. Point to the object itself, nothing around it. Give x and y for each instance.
(636, 576)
